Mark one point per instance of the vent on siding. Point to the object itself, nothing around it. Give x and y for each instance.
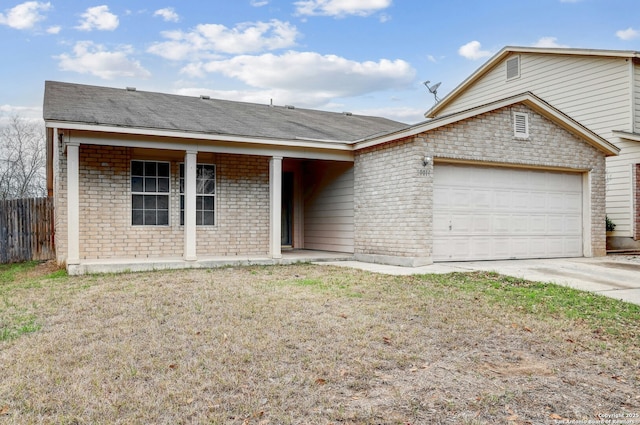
(520, 125)
(513, 67)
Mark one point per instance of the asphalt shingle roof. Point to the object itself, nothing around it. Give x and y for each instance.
(77, 103)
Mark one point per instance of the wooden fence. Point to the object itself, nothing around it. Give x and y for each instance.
(26, 230)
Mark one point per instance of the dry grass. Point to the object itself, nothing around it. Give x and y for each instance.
(300, 345)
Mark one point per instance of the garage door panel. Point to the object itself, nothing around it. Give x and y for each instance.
(482, 224)
(573, 202)
(520, 223)
(555, 224)
(459, 198)
(440, 223)
(481, 199)
(502, 223)
(572, 224)
(538, 201)
(573, 246)
(501, 213)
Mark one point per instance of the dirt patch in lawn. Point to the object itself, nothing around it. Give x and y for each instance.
(303, 345)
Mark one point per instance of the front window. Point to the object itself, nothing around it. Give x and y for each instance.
(149, 193)
(206, 194)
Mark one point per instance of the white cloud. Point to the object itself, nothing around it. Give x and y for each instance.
(24, 15)
(324, 76)
(473, 50)
(403, 114)
(98, 18)
(548, 42)
(628, 34)
(29, 113)
(54, 30)
(259, 3)
(94, 59)
(168, 14)
(340, 8)
(206, 40)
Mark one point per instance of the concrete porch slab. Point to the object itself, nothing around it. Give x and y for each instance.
(150, 264)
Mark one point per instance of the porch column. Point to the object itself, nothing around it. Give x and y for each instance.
(190, 160)
(73, 203)
(275, 206)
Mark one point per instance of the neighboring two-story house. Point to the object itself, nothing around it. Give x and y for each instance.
(598, 88)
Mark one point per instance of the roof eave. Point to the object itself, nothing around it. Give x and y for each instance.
(505, 51)
(634, 137)
(303, 143)
(526, 98)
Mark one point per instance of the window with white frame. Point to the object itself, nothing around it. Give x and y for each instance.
(205, 194)
(150, 193)
(521, 125)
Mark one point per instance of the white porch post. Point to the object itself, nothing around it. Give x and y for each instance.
(190, 160)
(275, 206)
(73, 203)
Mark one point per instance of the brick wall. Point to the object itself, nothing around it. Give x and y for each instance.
(242, 207)
(391, 201)
(393, 197)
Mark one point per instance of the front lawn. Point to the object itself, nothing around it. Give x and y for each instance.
(308, 344)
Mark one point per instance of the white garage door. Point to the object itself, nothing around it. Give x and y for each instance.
(493, 213)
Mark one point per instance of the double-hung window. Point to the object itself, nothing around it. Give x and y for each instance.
(205, 194)
(150, 193)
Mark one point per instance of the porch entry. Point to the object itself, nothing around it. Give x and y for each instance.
(286, 239)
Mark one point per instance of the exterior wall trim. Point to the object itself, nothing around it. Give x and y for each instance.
(294, 142)
(217, 146)
(527, 99)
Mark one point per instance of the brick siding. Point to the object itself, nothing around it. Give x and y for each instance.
(242, 207)
(393, 191)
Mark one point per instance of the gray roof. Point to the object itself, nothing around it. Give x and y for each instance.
(83, 104)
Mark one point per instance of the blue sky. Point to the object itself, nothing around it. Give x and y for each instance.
(363, 56)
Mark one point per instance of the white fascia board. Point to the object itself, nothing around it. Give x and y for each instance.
(438, 122)
(526, 98)
(571, 125)
(299, 143)
(635, 137)
(217, 146)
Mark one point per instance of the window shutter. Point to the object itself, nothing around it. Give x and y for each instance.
(513, 67)
(521, 125)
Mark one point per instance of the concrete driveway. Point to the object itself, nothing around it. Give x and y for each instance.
(616, 276)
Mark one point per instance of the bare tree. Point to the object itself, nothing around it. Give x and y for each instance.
(22, 159)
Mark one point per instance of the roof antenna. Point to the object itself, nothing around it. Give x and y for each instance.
(433, 89)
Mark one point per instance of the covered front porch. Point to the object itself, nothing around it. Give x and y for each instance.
(292, 256)
(266, 209)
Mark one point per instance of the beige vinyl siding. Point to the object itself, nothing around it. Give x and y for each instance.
(620, 186)
(328, 213)
(636, 96)
(594, 91)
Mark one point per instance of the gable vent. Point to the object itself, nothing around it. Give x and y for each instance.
(513, 67)
(520, 125)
